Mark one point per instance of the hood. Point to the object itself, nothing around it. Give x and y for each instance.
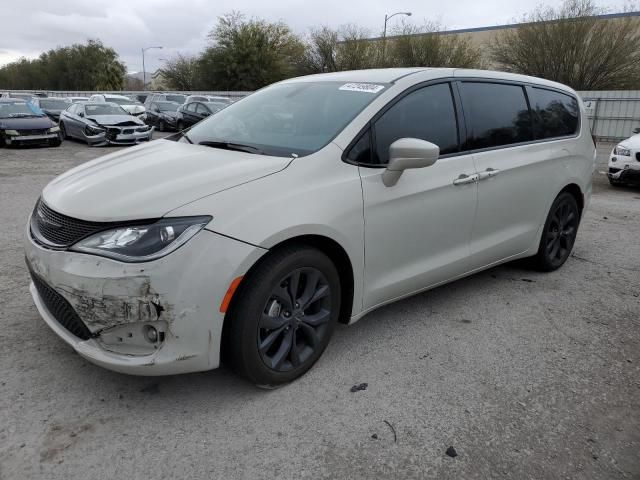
(115, 119)
(133, 108)
(632, 142)
(52, 113)
(28, 123)
(150, 180)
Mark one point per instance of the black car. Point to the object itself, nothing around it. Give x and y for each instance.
(191, 113)
(163, 115)
(52, 106)
(22, 123)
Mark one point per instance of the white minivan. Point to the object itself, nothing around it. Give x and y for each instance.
(248, 237)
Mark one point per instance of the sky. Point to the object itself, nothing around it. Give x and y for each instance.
(29, 27)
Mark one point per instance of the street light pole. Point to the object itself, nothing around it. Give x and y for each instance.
(144, 72)
(384, 33)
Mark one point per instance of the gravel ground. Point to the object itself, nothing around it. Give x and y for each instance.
(526, 375)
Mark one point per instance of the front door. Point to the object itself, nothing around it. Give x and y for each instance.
(417, 232)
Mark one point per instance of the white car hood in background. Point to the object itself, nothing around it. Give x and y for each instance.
(150, 180)
(631, 142)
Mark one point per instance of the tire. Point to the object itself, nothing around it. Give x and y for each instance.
(559, 234)
(614, 183)
(63, 131)
(55, 142)
(262, 314)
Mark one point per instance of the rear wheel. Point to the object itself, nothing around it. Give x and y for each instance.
(559, 233)
(283, 317)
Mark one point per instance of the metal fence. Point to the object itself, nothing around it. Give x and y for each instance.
(613, 114)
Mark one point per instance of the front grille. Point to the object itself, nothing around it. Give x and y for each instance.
(32, 132)
(57, 230)
(127, 131)
(60, 308)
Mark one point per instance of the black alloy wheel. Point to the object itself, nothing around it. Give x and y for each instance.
(559, 233)
(282, 316)
(294, 319)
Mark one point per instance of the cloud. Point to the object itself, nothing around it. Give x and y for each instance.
(33, 26)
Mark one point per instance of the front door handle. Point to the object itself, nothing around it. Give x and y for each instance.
(463, 179)
(488, 173)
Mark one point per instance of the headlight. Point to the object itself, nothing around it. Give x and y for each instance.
(619, 150)
(54, 129)
(91, 130)
(141, 243)
(11, 132)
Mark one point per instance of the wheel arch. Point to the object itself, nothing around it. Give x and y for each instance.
(575, 190)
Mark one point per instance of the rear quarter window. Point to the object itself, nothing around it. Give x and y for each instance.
(555, 114)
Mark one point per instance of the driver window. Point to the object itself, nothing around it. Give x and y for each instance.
(427, 114)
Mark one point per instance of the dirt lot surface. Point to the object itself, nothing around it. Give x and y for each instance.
(526, 375)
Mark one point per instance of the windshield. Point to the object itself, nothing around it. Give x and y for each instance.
(167, 106)
(18, 109)
(104, 109)
(121, 101)
(176, 98)
(291, 118)
(54, 104)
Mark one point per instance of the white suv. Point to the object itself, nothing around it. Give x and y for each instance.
(311, 202)
(132, 107)
(624, 162)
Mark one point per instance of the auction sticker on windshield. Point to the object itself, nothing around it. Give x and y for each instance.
(362, 87)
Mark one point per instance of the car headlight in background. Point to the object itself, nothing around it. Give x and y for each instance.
(619, 150)
(11, 132)
(55, 129)
(141, 243)
(90, 130)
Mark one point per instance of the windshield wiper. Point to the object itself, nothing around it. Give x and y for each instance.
(23, 115)
(232, 146)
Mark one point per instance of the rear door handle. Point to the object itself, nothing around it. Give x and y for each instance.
(488, 173)
(464, 179)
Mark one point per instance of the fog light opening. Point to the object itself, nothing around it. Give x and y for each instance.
(150, 333)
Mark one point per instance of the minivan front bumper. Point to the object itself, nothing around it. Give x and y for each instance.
(178, 296)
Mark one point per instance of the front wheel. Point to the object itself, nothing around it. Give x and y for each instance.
(283, 317)
(559, 233)
(63, 131)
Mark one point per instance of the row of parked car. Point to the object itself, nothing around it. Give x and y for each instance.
(101, 119)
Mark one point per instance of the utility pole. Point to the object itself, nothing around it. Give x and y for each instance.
(144, 72)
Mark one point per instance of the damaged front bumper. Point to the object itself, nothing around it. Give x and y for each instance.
(627, 174)
(153, 318)
(127, 136)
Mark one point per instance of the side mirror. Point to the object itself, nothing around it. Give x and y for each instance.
(408, 153)
(81, 114)
(636, 130)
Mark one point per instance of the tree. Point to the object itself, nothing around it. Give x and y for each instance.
(320, 51)
(181, 72)
(570, 46)
(249, 54)
(355, 50)
(412, 46)
(91, 66)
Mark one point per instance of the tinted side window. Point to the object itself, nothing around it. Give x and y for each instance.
(427, 114)
(555, 114)
(201, 109)
(498, 114)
